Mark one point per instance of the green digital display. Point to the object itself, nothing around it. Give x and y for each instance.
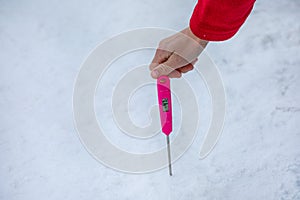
(165, 105)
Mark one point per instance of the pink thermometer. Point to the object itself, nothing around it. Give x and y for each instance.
(165, 109)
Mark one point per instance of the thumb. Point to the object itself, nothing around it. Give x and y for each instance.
(164, 68)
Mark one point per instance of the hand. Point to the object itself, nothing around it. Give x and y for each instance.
(177, 54)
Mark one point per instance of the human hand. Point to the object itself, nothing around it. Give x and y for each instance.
(177, 54)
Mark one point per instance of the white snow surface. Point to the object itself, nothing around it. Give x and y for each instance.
(43, 44)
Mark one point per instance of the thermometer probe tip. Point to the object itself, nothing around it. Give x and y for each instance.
(169, 155)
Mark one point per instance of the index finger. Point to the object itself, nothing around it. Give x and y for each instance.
(159, 57)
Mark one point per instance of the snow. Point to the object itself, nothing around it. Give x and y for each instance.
(43, 44)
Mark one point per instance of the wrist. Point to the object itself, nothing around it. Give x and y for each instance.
(189, 33)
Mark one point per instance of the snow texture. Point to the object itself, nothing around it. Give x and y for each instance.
(43, 44)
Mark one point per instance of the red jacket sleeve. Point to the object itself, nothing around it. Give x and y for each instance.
(218, 20)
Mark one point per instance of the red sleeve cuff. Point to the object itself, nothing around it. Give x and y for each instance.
(219, 20)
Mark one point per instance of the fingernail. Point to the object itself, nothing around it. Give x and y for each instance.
(154, 74)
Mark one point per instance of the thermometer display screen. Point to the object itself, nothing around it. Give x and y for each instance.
(165, 105)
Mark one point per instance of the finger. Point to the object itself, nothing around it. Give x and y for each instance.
(186, 68)
(159, 57)
(160, 70)
(173, 62)
(175, 74)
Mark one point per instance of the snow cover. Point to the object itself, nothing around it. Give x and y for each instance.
(43, 44)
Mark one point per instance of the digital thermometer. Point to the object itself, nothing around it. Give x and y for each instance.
(165, 110)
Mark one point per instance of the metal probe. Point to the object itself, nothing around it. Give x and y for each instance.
(169, 155)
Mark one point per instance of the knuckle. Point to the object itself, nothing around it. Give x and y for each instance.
(151, 66)
(162, 43)
(164, 69)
